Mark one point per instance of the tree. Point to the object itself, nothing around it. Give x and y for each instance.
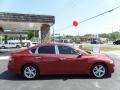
(32, 34)
(104, 35)
(114, 36)
(1, 29)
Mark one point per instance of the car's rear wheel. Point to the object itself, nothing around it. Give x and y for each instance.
(3, 47)
(99, 70)
(17, 46)
(30, 72)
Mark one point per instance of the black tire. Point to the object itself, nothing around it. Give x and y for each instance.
(24, 69)
(17, 46)
(3, 47)
(95, 74)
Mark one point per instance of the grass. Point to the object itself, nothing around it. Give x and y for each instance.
(90, 48)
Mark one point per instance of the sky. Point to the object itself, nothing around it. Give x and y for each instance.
(65, 11)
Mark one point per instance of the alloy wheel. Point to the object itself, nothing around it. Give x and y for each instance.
(99, 71)
(30, 72)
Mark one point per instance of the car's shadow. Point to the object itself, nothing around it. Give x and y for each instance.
(10, 76)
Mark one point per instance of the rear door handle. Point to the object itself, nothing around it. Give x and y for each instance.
(37, 57)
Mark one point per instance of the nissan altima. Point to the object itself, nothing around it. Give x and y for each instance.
(56, 58)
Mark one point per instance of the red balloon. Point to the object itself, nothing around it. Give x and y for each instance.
(75, 23)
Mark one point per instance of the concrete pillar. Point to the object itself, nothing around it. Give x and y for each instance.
(45, 33)
(39, 33)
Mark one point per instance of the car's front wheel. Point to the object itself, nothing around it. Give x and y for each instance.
(99, 70)
(30, 72)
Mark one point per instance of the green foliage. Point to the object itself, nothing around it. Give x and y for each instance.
(104, 35)
(87, 37)
(32, 34)
(111, 36)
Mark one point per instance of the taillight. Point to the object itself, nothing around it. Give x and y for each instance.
(10, 59)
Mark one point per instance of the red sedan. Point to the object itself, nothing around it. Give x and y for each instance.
(53, 58)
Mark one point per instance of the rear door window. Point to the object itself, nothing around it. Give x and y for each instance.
(46, 50)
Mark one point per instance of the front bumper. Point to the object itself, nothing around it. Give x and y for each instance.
(111, 68)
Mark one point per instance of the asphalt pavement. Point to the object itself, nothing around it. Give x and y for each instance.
(9, 81)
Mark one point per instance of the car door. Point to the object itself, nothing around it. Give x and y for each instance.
(71, 63)
(48, 60)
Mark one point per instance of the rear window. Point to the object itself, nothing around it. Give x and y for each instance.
(46, 50)
(33, 50)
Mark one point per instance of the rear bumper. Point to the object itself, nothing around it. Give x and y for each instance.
(13, 68)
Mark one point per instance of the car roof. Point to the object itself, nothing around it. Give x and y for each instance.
(49, 44)
(54, 44)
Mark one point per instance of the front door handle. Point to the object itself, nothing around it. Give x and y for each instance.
(62, 58)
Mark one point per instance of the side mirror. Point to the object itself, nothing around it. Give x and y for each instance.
(79, 56)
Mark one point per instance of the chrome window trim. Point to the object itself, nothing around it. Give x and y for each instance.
(36, 51)
(56, 49)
